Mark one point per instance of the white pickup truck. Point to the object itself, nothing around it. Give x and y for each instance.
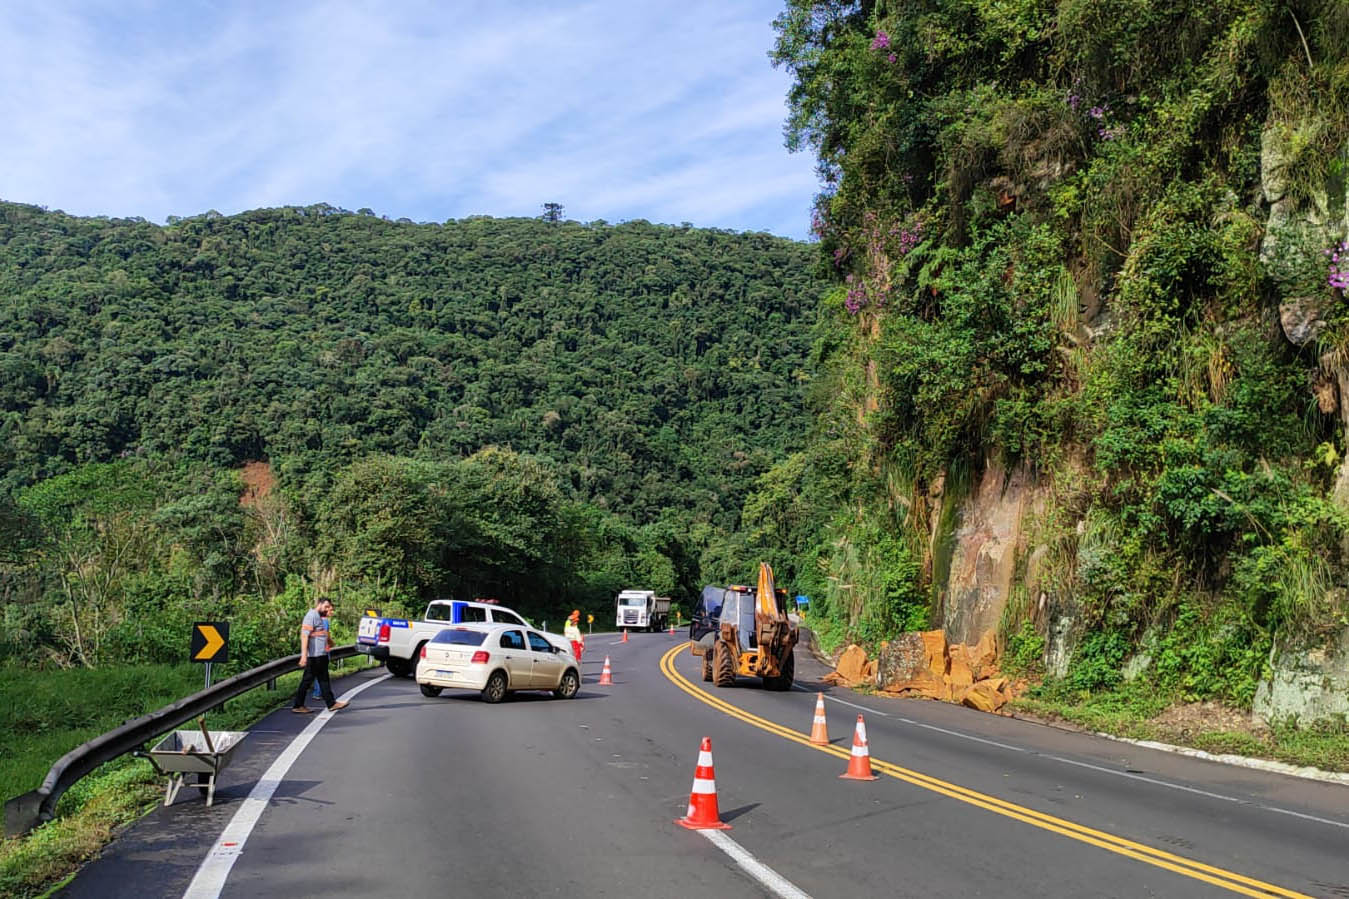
(642, 609)
(398, 641)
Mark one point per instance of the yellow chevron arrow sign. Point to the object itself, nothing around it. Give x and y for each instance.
(210, 641)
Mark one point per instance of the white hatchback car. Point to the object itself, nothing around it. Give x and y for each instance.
(496, 659)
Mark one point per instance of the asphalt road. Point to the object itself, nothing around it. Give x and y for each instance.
(401, 795)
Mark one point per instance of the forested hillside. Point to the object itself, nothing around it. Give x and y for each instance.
(1087, 255)
(656, 366)
(536, 410)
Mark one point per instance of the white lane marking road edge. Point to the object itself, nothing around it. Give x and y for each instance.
(829, 698)
(215, 868)
(774, 882)
(1126, 774)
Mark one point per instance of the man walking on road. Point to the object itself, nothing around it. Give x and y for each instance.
(314, 657)
(572, 631)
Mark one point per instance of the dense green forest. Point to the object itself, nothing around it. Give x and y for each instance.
(538, 411)
(1098, 242)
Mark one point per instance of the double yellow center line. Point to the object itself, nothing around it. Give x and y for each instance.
(1229, 880)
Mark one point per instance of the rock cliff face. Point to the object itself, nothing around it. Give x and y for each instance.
(989, 541)
(990, 556)
(1307, 685)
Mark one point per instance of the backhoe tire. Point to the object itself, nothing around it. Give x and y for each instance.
(724, 665)
(783, 682)
(707, 668)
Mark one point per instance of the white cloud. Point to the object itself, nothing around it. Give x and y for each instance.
(430, 110)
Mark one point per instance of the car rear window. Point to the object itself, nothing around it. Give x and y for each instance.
(711, 601)
(441, 611)
(460, 637)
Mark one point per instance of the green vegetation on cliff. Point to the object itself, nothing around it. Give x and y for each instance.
(1092, 241)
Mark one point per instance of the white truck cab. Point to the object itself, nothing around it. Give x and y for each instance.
(398, 641)
(642, 609)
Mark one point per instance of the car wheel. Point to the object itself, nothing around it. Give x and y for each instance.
(723, 663)
(429, 690)
(569, 686)
(707, 667)
(495, 691)
(399, 667)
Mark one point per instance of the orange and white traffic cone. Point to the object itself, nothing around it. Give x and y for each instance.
(671, 628)
(819, 732)
(859, 763)
(606, 676)
(703, 813)
(625, 635)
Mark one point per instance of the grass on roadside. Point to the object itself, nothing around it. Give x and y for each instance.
(45, 714)
(1137, 712)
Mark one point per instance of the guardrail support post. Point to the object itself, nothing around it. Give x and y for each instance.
(23, 813)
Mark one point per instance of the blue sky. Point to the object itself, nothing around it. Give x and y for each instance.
(668, 111)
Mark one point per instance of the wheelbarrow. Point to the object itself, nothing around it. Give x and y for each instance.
(203, 752)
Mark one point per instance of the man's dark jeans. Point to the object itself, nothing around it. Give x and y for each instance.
(316, 669)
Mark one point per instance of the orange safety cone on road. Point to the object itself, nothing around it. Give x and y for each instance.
(606, 676)
(625, 635)
(859, 763)
(819, 732)
(671, 628)
(703, 813)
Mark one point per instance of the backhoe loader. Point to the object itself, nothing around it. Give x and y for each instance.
(754, 637)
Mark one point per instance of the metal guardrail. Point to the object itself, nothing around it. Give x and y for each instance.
(23, 813)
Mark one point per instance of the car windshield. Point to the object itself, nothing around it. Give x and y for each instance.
(440, 611)
(460, 637)
(633, 601)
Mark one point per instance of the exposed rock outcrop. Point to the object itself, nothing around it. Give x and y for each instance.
(1306, 685)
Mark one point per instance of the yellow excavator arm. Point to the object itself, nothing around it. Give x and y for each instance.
(768, 604)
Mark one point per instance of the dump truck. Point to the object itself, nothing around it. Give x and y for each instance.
(643, 610)
(750, 634)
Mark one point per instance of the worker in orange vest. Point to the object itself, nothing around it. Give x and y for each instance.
(572, 631)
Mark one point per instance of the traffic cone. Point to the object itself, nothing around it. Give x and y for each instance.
(625, 635)
(703, 813)
(859, 763)
(606, 677)
(819, 733)
(671, 628)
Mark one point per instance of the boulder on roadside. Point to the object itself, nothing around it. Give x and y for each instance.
(984, 697)
(934, 645)
(852, 663)
(998, 683)
(901, 660)
(959, 675)
(984, 655)
(923, 684)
